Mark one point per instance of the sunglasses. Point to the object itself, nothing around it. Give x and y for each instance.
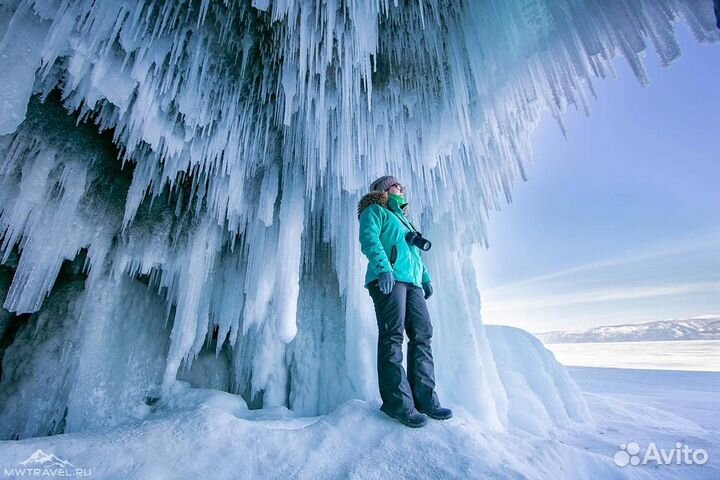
(399, 187)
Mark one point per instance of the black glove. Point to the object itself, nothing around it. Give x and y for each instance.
(427, 288)
(386, 281)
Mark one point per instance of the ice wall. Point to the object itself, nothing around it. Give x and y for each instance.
(246, 133)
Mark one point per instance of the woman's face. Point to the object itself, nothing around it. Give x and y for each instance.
(397, 189)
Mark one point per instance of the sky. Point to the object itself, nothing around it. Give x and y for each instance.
(620, 222)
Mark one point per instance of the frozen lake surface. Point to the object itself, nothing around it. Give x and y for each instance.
(691, 355)
(692, 395)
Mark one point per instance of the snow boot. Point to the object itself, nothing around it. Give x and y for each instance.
(412, 418)
(438, 413)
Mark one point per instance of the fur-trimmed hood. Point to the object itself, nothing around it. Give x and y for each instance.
(379, 198)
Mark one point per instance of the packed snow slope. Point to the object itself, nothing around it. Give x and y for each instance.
(356, 441)
(211, 434)
(204, 433)
(178, 184)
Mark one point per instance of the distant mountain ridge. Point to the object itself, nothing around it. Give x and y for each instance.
(705, 327)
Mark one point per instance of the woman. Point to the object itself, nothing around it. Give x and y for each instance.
(399, 284)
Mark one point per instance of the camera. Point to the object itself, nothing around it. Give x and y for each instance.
(416, 238)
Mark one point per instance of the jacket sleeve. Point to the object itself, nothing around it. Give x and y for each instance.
(371, 221)
(425, 274)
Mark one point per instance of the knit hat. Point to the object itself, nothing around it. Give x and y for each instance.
(383, 183)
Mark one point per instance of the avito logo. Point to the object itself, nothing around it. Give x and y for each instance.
(630, 454)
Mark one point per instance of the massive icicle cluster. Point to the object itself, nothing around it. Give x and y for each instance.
(225, 250)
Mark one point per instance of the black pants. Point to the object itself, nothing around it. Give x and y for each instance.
(404, 307)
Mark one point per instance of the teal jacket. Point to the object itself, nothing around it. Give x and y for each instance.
(380, 231)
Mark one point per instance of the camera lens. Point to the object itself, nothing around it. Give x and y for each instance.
(423, 244)
(416, 238)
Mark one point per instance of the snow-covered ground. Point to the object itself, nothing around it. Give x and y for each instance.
(211, 434)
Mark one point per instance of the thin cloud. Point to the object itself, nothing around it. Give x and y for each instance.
(612, 294)
(682, 246)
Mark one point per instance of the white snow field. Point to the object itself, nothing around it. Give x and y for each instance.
(179, 239)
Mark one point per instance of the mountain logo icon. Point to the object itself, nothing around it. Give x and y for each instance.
(46, 460)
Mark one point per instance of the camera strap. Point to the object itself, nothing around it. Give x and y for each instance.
(411, 227)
